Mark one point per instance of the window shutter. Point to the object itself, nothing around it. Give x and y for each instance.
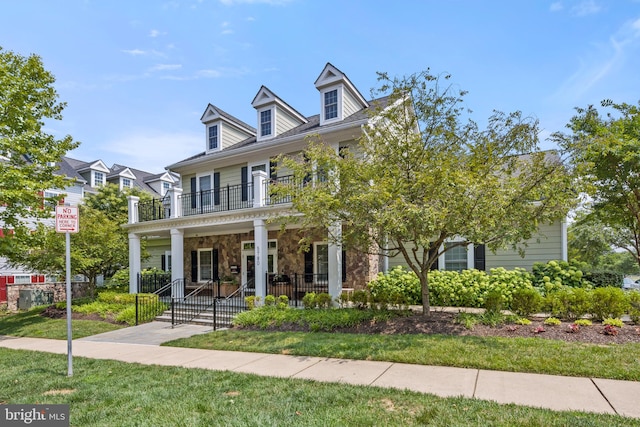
(216, 188)
(479, 258)
(344, 266)
(163, 263)
(245, 182)
(308, 265)
(193, 193)
(194, 266)
(273, 174)
(215, 272)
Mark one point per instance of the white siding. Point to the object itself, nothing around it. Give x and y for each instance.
(548, 248)
(156, 248)
(349, 104)
(73, 195)
(230, 175)
(230, 136)
(284, 121)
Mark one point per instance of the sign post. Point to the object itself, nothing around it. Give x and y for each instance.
(68, 221)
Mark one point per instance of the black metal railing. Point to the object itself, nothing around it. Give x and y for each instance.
(154, 209)
(275, 199)
(225, 309)
(296, 286)
(151, 282)
(229, 198)
(148, 307)
(185, 309)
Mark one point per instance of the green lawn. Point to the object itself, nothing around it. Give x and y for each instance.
(31, 324)
(502, 354)
(109, 393)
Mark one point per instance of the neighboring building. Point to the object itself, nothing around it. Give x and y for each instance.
(221, 221)
(87, 177)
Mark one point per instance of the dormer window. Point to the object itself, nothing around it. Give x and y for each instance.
(98, 179)
(331, 104)
(126, 183)
(213, 137)
(165, 187)
(265, 123)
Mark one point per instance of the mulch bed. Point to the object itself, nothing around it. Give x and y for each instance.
(444, 323)
(61, 313)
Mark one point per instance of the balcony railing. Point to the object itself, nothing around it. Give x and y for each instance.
(229, 198)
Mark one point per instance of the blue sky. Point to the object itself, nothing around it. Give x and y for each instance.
(137, 75)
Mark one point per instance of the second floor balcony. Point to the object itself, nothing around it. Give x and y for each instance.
(223, 199)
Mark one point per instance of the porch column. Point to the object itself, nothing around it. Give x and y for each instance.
(261, 253)
(133, 208)
(177, 263)
(176, 207)
(335, 260)
(259, 188)
(134, 262)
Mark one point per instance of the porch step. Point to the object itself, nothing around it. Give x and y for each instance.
(204, 318)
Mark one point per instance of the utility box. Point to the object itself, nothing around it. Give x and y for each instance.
(28, 298)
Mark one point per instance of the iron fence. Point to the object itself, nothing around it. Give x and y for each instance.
(148, 306)
(231, 197)
(296, 286)
(154, 209)
(151, 282)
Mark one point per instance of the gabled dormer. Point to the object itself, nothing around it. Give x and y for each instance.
(223, 130)
(274, 115)
(162, 183)
(95, 173)
(339, 98)
(121, 176)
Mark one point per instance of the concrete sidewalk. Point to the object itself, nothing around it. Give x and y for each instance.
(543, 391)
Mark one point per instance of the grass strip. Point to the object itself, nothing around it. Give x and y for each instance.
(109, 393)
(533, 355)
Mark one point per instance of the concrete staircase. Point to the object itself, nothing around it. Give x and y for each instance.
(226, 310)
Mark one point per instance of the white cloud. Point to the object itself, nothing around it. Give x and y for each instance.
(210, 74)
(584, 8)
(555, 7)
(226, 32)
(135, 52)
(156, 33)
(165, 67)
(604, 60)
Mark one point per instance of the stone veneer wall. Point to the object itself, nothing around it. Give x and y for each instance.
(361, 268)
(78, 290)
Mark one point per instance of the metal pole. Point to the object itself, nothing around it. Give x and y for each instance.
(68, 266)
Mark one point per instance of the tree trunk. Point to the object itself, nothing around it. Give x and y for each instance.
(424, 286)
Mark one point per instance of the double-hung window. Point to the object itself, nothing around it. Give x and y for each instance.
(331, 104)
(213, 137)
(205, 265)
(265, 123)
(455, 259)
(98, 179)
(126, 183)
(321, 253)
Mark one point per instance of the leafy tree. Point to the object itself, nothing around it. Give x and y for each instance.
(27, 152)
(605, 152)
(588, 240)
(99, 248)
(421, 175)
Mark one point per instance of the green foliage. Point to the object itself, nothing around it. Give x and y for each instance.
(313, 300)
(634, 306)
(555, 274)
(419, 150)
(251, 302)
(552, 321)
(601, 279)
(605, 152)
(569, 303)
(269, 300)
(325, 319)
(608, 302)
(583, 322)
(397, 286)
(613, 322)
(121, 277)
(492, 318)
(360, 298)
(468, 320)
(522, 321)
(526, 301)
(28, 99)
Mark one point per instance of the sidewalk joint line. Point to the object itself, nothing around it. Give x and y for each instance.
(603, 395)
(382, 373)
(475, 383)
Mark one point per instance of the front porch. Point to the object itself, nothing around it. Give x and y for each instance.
(226, 237)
